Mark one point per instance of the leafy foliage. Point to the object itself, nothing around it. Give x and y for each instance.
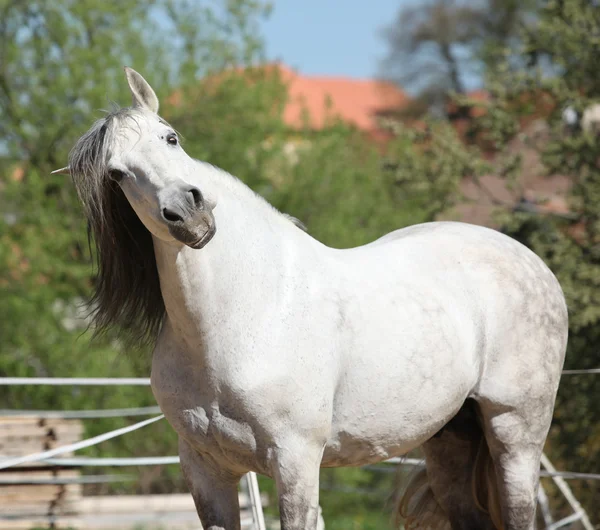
(555, 69)
(59, 62)
(439, 47)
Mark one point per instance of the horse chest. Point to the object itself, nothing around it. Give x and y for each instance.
(212, 431)
(208, 422)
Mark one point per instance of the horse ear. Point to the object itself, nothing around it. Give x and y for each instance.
(143, 95)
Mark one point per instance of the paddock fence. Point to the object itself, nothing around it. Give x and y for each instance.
(43, 488)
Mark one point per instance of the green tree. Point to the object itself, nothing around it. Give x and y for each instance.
(233, 119)
(440, 47)
(557, 64)
(60, 62)
(348, 190)
(349, 193)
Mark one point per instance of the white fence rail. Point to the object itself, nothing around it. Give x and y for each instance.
(48, 457)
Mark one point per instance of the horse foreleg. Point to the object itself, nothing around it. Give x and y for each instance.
(296, 471)
(214, 491)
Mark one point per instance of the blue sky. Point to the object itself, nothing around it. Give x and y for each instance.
(333, 37)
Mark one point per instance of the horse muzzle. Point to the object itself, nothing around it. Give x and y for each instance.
(195, 232)
(189, 220)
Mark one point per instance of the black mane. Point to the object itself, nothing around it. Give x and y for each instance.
(127, 289)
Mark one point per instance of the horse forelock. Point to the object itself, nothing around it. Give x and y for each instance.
(127, 289)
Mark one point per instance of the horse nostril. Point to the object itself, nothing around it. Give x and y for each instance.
(196, 195)
(171, 216)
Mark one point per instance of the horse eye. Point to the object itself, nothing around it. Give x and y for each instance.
(172, 139)
(116, 175)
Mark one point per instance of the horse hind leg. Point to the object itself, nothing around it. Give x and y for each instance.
(516, 403)
(457, 489)
(516, 439)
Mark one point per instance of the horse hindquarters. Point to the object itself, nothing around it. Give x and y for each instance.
(458, 487)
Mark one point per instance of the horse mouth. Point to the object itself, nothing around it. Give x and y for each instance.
(205, 239)
(187, 231)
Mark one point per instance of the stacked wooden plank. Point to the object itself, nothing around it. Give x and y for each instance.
(129, 512)
(37, 495)
(34, 494)
(151, 512)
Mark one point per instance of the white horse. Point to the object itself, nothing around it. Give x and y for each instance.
(276, 354)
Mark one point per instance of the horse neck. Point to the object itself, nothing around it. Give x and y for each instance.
(241, 271)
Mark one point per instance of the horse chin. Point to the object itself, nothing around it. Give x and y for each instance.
(195, 232)
(204, 240)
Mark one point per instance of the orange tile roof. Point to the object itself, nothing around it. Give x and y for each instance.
(356, 101)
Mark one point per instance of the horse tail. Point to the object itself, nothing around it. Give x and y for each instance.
(458, 481)
(484, 485)
(417, 507)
